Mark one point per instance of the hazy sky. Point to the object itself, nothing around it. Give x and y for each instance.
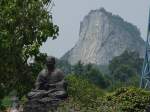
(67, 14)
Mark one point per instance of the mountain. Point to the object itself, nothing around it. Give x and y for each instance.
(103, 36)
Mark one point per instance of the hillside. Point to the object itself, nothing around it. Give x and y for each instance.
(103, 36)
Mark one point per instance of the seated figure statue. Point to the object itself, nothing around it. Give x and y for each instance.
(50, 85)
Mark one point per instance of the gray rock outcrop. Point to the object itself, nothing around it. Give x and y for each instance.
(103, 36)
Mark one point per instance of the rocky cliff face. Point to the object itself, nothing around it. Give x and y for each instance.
(103, 36)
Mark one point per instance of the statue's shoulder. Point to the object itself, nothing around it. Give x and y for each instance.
(59, 72)
(43, 73)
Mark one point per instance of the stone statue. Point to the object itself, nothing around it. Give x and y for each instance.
(50, 88)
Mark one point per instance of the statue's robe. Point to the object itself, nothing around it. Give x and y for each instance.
(50, 89)
(50, 85)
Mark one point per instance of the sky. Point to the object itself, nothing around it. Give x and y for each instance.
(68, 14)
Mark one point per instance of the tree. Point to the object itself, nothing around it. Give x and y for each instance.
(78, 68)
(82, 90)
(91, 73)
(132, 59)
(125, 69)
(94, 75)
(24, 26)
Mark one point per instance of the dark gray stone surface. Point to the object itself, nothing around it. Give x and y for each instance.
(50, 89)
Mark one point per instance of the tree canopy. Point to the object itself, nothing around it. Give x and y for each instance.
(125, 69)
(24, 26)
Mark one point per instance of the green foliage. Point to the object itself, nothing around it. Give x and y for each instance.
(128, 100)
(125, 69)
(128, 58)
(123, 73)
(86, 97)
(91, 73)
(94, 75)
(24, 26)
(83, 95)
(7, 101)
(82, 89)
(78, 68)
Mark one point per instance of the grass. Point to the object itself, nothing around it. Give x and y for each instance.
(6, 102)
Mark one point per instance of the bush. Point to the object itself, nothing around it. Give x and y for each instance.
(82, 89)
(83, 96)
(128, 100)
(86, 97)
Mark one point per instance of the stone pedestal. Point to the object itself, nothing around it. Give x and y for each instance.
(41, 105)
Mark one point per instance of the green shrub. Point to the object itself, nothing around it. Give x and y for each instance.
(83, 95)
(128, 100)
(82, 89)
(86, 97)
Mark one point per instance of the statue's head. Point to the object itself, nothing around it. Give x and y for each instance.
(50, 62)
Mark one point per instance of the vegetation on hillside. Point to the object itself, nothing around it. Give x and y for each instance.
(125, 69)
(123, 82)
(86, 97)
